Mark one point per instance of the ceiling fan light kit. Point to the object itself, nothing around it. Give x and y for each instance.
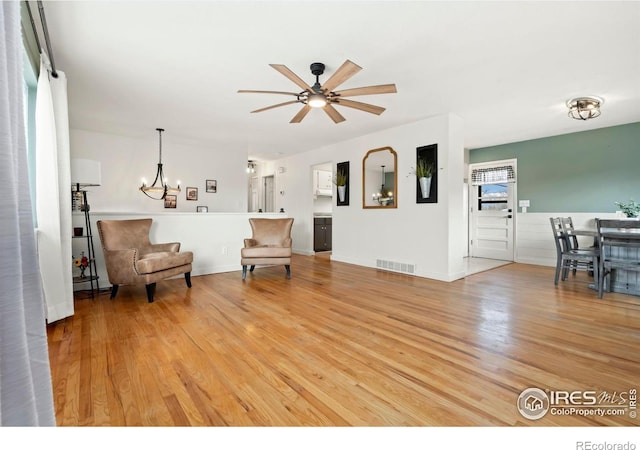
(324, 96)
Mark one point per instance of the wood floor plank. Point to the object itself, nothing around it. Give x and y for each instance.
(342, 345)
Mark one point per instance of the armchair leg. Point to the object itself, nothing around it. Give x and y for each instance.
(151, 289)
(187, 278)
(114, 291)
(244, 272)
(288, 267)
(251, 269)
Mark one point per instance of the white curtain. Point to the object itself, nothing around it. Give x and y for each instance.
(53, 192)
(26, 396)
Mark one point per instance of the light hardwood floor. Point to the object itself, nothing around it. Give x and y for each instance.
(342, 345)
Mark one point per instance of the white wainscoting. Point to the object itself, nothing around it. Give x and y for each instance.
(214, 238)
(534, 239)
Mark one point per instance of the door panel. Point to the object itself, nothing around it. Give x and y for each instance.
(491, 221)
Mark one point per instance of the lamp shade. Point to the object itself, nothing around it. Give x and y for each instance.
(85, 172)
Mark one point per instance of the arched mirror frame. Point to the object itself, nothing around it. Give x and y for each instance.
(365, 194)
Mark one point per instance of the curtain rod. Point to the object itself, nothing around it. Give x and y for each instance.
(33, 25)
(43, 21)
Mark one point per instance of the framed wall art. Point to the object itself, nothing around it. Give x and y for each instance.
(170, 201)
(212, 186)
(192, 193)
(202, 209)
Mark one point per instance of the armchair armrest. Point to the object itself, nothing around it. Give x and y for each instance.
(250, 242)
(166, 247)
(121, 265)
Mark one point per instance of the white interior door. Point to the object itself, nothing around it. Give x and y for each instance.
(269, 194)
(491, 214)
(253, 194)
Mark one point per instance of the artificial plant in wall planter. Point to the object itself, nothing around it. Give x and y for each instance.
(424, 172)
(341, 183)
(341, 180)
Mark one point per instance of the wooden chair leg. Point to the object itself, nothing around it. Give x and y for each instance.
(114, 291)
(187, 278)
(251, 269)
(244, 272)
(288, 268)
(151, 289)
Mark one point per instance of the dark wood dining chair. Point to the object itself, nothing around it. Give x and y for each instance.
(570, 258)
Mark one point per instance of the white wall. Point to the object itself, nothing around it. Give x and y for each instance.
(125, 161)
(427, 235)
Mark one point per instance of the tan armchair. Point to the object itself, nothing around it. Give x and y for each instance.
(131, 258)
(269, 245)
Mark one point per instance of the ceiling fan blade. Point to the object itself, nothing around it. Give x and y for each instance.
(368, 90)
(333, 113)
(248, 91)
(373, 109)
(301, 114)
(276, 106)
(344, 72)
(284, 70)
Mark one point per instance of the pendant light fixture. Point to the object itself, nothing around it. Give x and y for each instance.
(160, 188)
(384, 197)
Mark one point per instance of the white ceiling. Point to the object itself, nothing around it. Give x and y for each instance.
(506, 68)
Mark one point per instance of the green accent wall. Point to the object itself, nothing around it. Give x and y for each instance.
(579, 172)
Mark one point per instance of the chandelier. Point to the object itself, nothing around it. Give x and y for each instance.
(160, 188)
(384, 197)
(584, 108)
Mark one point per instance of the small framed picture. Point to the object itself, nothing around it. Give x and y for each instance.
(202, 209)
(212, 186)
(192, 193)
(170, 201)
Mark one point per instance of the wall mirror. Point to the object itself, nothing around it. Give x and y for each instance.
(379, 179)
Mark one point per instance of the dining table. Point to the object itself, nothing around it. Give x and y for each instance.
(623, 281)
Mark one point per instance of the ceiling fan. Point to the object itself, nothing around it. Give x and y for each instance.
(324, 96)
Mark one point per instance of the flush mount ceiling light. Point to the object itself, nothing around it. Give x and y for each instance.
(160, 187)
(584, 108)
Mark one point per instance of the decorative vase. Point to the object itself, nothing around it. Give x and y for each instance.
(425, 186)
(341, 193)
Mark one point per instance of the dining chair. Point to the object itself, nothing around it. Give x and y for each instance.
(567, 226)
(568, 257)
(619, 242)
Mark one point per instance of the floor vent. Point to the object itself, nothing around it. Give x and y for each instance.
(395, 266)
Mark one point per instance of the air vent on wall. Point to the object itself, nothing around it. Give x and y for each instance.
(395, 266)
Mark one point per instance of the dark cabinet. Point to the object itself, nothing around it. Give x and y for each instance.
(322, 234)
